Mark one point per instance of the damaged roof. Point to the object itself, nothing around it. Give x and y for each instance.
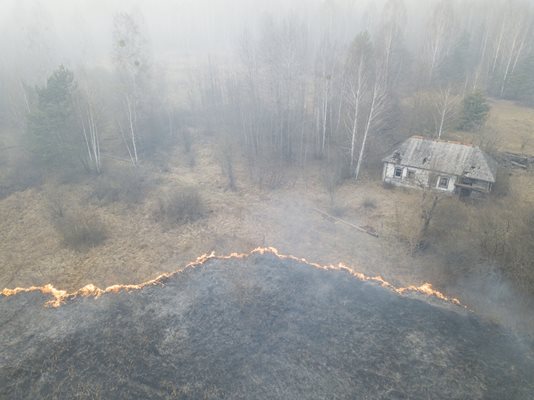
(452, 158)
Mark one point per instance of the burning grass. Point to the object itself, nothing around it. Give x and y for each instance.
(258, 325)
(60, 296)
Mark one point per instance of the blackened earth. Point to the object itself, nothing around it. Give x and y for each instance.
(257, 328)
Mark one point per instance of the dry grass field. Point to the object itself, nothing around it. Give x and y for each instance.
(510, 127)
(138, 247)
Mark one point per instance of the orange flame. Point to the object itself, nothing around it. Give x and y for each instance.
(59, 297)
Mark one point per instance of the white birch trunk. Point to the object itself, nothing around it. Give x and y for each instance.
(356, 95)
(131, 118)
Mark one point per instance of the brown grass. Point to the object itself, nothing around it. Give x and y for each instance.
(139, 248)
(180, 206)
(509, 126)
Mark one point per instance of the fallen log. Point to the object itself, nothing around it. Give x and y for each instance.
(365, 229)
(516, 164)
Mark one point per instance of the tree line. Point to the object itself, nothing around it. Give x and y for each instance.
(293, 91)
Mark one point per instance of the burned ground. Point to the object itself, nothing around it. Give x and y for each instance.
(258, 327)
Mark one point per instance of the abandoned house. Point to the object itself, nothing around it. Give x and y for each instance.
(447, 166)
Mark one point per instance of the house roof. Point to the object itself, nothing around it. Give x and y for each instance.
(452, 158)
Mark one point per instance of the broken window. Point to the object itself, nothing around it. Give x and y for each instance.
(443, 182)
(398, 172)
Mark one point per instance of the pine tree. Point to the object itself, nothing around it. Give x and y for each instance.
(53, 134)
(475, 112)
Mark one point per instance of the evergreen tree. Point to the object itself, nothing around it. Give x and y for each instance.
(475, 112)
(53, 134)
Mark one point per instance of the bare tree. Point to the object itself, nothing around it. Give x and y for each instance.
(367, 97)
(91, 138)
(130, 53)
(389, 39)
(518, 36)
(440, 37)
(377, 108)
(327, 73)
(445, 105)
(358, 81)
(509, 34)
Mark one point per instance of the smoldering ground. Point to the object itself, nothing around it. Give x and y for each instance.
(258, 327)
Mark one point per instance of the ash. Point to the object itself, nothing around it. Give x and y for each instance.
(257, 328)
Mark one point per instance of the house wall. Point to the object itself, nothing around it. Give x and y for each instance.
(419, 178)
(480, 185)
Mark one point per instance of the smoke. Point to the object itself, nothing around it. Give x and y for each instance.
(490, 294)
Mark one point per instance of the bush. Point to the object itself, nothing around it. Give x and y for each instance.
(80, 230)
(125, 185)
(181, 206)
(369, 203)
(337, 211)
(271, 178)
(20, 176)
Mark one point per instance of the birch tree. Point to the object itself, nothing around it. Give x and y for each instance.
(389, 39)
(130, 54)
(367, 98)
(509, 43)
(439, 37)
(518, 39)
(445, 105)
(90, 132)
(283, 52)
(376, 111)
(358, 81)
(326, 77)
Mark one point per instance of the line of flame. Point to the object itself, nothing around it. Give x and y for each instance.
(59, 297)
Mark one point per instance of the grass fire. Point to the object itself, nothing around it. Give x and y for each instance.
(282, 199)
(257, 325)
(60, 296)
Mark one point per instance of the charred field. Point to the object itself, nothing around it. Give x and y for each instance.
(256, 326)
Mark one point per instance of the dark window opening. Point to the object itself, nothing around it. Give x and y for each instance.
(398, 172)
(443, 183)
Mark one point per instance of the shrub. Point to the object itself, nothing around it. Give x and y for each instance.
(124, 185)
(271, 178)
(369, 203)
(20, 176)
(181, 206)
(80, 230)
(337, 211)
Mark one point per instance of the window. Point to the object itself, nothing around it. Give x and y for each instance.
(398, 172)
(443, 183)
(411, 174)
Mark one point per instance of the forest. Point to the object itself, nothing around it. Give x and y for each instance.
(130, 145)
